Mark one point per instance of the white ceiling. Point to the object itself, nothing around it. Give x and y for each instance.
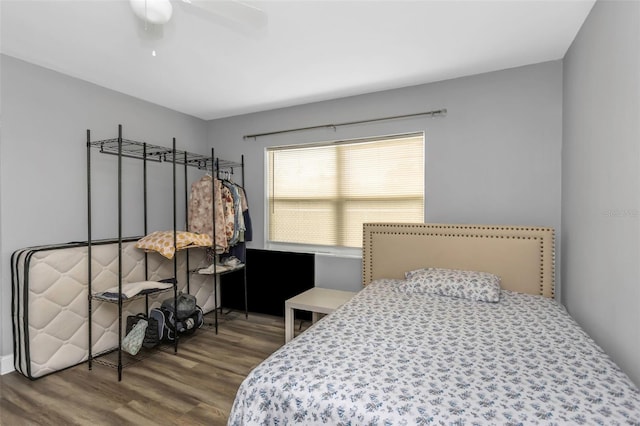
(210, 66)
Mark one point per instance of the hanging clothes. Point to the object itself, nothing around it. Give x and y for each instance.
(232, 220)
(229, 211)
(238, 219)
(201, 211)
(243, 223)
(248, 231)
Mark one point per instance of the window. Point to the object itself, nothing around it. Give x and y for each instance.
(321, 194)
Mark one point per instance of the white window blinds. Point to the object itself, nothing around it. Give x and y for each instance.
(321, 194)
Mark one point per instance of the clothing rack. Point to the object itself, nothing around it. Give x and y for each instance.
(126, 148)
(221, 168)
(131, 149)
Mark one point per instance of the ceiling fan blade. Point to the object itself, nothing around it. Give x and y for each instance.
(233, 10)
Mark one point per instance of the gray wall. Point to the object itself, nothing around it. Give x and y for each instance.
(494, 159)
(601, 181)
(43, 163)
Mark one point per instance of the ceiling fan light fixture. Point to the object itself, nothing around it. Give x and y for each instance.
(152, 11)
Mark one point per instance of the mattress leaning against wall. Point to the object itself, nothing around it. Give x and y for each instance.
(49, 305)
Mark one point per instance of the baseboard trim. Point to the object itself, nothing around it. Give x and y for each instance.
(6, 364)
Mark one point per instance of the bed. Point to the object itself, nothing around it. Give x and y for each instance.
(397, 354)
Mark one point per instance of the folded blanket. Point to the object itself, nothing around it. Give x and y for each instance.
(162, 242)
(133, 289)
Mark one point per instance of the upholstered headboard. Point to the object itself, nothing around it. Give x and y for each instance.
(523, 257)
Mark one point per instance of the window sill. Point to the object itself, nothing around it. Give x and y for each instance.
(343, 252)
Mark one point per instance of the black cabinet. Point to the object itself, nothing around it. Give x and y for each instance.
(272, 278)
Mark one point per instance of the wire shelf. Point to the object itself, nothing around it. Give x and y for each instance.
(141, 150)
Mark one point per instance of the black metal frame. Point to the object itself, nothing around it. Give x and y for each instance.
(129, 149)
(125, 148)
(218, 165)
(227, 165)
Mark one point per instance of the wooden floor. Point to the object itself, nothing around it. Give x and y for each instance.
(195, 387)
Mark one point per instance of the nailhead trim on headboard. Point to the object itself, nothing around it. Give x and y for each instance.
(423, 229)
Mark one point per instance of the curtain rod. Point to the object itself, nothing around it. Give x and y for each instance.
(438, 112)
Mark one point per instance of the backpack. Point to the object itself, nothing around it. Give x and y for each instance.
(167, 324)
(186, 305)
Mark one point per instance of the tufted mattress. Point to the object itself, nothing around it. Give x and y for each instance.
(50, 299)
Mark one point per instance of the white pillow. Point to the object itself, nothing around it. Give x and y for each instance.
(472, 285)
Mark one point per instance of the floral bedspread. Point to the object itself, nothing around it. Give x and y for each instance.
(389, 357)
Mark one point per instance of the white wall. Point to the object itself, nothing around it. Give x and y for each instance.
(494, 159)
(601, 180)
(43, 163)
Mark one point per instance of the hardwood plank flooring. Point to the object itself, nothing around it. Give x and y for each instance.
(197, 386)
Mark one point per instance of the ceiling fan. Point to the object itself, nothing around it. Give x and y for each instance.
(159, 12)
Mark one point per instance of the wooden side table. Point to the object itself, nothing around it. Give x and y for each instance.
(318, 301)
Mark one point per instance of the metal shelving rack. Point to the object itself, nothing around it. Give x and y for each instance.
(218, 166)
(125, 148)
